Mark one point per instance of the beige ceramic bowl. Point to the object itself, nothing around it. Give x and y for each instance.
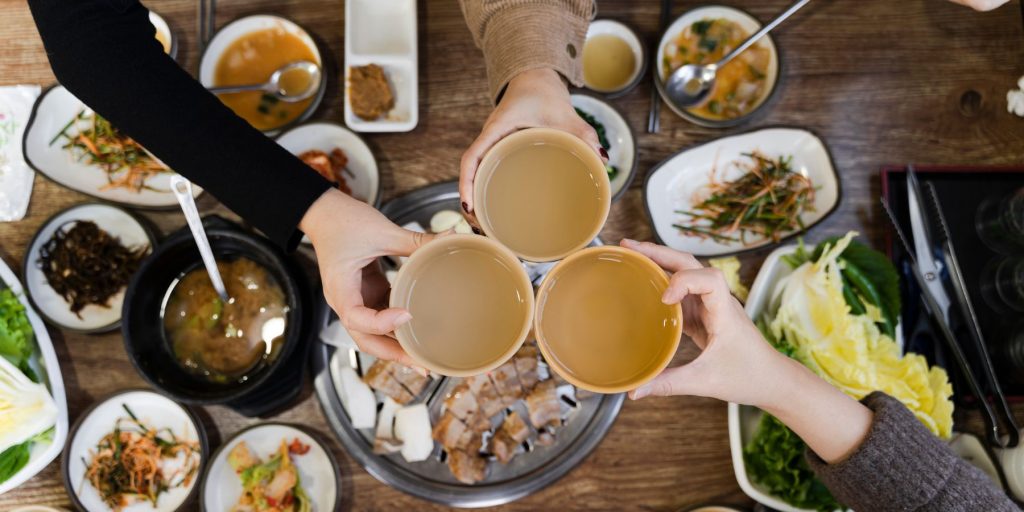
(419, 264)
(663, 351)
(531, 136)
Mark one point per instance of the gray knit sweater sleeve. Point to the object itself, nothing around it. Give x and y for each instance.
(901, 465)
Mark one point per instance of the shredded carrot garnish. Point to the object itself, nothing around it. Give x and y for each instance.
(127, 464)
(766, 201)
(94, 140)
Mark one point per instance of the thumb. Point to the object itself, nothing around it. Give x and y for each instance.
(406, 242)
(671, 382)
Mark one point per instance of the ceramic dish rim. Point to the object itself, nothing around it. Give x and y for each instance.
(204, 475)
(48, 355)
(544, 289)
(313, 122)
(718, 123)
(65, 468)
(28, 160)
(743, 250)
(321, 90)
(400, 290)
(587, 153)
(631, 176)
(26, 261)
(700, 506)
(643, 59)
(172, 42)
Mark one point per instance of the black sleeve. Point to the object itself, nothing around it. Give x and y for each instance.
(105, 53)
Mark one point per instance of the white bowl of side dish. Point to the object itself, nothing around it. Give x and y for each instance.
(153, 410)
(622, 142)
(745, 21)
(678, 182)
(44, 363)
(51, 305)
(361, 173)
(44, 152)
(385, 34)
(744, 419)
(317, 470)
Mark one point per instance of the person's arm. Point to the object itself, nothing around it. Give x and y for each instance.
(520, 35)
(531, 48)
(873, 455)
(105, 53)
(920, 472)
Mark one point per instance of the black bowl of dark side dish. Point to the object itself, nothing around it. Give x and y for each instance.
(269, 385)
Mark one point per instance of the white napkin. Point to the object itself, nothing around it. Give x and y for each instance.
(15, 175)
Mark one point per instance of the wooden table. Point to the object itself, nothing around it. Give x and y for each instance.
(880, 81)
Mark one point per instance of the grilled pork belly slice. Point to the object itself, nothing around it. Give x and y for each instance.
(543, 405)
(486, 395)
(379, 377)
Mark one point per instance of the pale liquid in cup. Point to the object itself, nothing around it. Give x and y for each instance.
(608, 62)
(604, 322)
(543, 201)
(467, 308)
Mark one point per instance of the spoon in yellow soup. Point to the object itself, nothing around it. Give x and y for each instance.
(295, 81)
(692, 83)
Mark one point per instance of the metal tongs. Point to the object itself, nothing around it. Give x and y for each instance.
(930, 230)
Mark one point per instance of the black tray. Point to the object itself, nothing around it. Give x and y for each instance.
(961, 189)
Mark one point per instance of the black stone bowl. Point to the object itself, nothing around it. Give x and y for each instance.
(268, 387)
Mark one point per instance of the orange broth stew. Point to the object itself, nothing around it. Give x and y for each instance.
(740, 85)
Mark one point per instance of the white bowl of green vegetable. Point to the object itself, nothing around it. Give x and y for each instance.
(837, 302)
(29, 377)
(615, 135)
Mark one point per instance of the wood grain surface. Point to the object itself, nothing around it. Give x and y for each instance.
(881, 81)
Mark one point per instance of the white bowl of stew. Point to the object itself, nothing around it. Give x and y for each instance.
(248, 50)
(702, 36)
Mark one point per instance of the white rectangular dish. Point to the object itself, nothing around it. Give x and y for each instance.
(383, 32)
(44, 363)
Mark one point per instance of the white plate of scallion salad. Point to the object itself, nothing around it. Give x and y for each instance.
(33, 409)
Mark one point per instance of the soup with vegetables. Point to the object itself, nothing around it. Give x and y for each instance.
(226, 341)
(251, 59)
(740, 85)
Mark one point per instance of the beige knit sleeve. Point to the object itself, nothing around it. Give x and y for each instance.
(519, 35)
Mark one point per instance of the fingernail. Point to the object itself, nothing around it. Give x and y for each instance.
(603, 152)
(422, 371)
(465, 207)
(629, 241)
(403, 318)
(665, 299)
(475, 230)
(640, 392)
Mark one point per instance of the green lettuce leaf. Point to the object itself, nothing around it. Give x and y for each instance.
(775, 460)
(15, 331)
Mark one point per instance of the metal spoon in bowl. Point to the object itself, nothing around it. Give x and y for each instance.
(182, 189)
(691, 84)
(275, 86)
